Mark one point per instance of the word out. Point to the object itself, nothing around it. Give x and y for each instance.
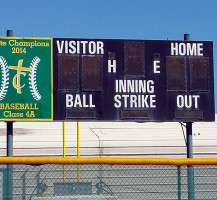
(187, 101)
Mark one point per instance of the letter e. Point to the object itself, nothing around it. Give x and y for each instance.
(157, 66)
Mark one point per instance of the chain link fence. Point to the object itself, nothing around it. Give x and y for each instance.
(106, 181)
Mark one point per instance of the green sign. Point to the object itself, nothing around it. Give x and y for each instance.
(26, 79)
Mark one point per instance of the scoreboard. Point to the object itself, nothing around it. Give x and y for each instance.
(133, 80)
(58, 79)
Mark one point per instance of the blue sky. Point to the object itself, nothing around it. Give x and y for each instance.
(114, 19)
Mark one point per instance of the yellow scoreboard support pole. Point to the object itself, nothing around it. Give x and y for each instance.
(78, 152)
(78, 144)
(64, 140)
(64, 152)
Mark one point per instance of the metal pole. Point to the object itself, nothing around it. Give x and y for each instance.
(9, 139)
(190, 169)
(179, 182)
(9, 124)
(189, 140)
(9, 33)
(9, 154)
(9, 148)
(186, 36)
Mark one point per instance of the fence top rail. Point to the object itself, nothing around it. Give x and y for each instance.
(105, 160)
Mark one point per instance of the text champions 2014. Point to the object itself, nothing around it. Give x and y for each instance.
(15, 43)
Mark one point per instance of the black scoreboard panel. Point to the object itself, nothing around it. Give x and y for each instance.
(133, 80)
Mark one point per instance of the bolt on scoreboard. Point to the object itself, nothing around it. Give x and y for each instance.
(133, 80)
